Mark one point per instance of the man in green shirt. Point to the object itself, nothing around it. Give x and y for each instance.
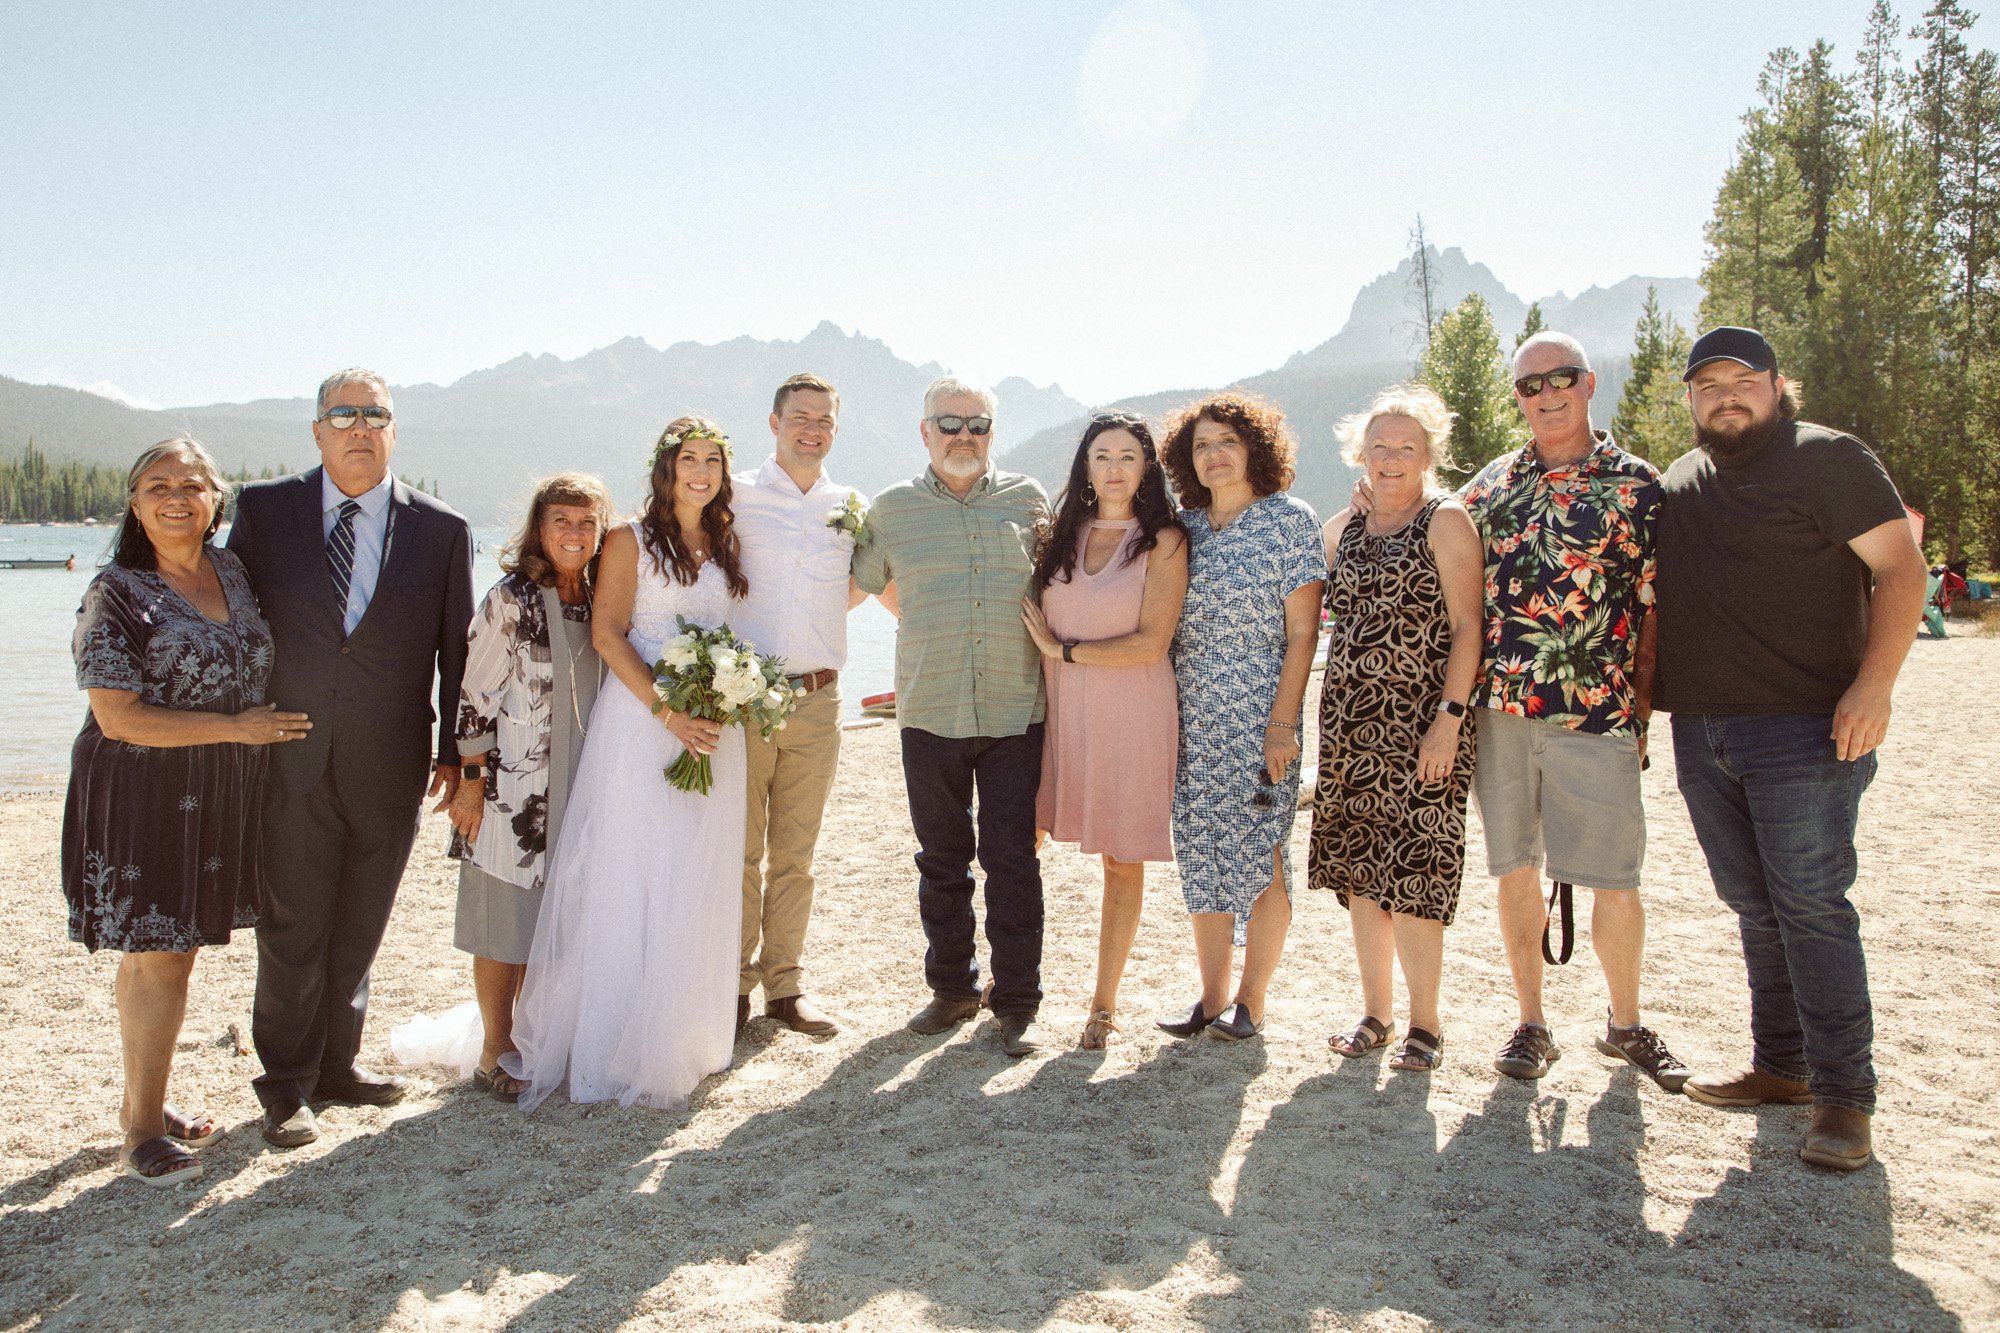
(958, 545)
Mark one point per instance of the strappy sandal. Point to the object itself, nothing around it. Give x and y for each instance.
(190, 1131)
(160, 1162)
(1097, 1032)
(1370, 1034)
(498, 1084)
(1422, 1052)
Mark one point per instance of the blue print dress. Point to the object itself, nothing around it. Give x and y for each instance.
(1227, 653)
(161, 845)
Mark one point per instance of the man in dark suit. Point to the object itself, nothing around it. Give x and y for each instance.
(367, 585)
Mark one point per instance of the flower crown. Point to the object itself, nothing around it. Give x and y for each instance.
(670, 442)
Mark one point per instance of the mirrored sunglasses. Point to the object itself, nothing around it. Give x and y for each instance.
(1562, 377)
(952, 424)
(345, 418)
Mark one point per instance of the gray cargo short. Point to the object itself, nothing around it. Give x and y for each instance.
(1566, 798)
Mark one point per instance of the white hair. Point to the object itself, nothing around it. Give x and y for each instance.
(1550, 338)
(353, 375)
(950, 386)
(1418, 402)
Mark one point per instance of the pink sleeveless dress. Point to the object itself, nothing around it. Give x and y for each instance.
(1113, 732)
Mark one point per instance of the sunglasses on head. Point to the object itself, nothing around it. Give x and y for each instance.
(1117, 419)
(345, 418)
(951, 424)
(1562, 377)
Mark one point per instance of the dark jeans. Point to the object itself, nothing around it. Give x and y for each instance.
(1775, 813)
(942, 773)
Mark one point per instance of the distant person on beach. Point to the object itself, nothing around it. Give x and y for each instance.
(1395, 737)
(958, 543)
(368, 586)
(1241, 654)
(166, 779)
(1568, 521)
(1790, 590)
(1110, 575)
(798, 528)
(531, 678)
(633, 968)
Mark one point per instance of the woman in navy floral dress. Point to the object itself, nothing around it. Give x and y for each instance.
(1241, 656)
(161, 828)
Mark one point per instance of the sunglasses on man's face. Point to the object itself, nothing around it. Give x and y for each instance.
(345, 418)
(951, 424)
(1562, 377)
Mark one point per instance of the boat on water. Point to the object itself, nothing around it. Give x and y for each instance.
(39, 564)
(879, 705)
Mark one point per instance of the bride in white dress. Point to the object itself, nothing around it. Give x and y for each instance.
(631, 983)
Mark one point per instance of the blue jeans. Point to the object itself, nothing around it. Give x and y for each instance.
(1775, 813)
(941, 773)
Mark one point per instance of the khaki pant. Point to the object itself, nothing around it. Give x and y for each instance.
(791, 776)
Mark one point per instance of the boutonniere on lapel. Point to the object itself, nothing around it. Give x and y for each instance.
(850, 518)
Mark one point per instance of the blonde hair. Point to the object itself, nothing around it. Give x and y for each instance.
(1421, 404)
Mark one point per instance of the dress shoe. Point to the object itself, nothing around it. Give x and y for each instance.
(742, 1012)
(1017, 1034)
(942, 1014)
(360, 1087)
(1233, 1024)
(1747, 1087)
(1187, 1027)
(1841, 1139)
(797, 1013)
(289, 1126)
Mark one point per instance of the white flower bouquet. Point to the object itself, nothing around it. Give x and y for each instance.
(710, 673)
(850, 518)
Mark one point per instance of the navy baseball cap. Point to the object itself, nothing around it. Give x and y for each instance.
(1744, 346)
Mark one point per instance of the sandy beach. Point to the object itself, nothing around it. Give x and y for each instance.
(881, 1180)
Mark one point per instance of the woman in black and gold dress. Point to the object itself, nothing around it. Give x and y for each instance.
(1395, 747)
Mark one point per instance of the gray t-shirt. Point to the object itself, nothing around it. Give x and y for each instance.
(1763, 609)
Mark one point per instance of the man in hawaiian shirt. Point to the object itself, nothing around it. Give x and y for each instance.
(1568, 521)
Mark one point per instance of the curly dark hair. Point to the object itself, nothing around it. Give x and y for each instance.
(718, 521)
(1258, 423)
(1055, 555)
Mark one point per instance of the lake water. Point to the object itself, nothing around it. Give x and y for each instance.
(44, 709)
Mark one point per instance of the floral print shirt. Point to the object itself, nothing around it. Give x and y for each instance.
(1570, 559)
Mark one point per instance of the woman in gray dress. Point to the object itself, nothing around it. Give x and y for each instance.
(531, 677)
(1241, 656)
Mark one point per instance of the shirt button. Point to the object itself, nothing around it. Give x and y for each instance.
(345, 650)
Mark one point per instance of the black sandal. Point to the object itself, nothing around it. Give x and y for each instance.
(1370, 1034)
(160, 1162)
(1422, 1052)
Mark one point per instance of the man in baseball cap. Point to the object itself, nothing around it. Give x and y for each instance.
(1790, 587)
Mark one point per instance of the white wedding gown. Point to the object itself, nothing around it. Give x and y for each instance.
(631, 983)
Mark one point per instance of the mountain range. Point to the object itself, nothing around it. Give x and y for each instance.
(483, 437)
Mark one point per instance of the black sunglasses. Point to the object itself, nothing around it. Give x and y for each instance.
(345, 418)
(1562, 377)
(952, 424)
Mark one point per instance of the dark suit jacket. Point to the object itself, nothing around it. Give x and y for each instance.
(369, 693)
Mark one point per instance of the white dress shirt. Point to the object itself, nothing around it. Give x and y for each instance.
(371, 536)
(797, 567)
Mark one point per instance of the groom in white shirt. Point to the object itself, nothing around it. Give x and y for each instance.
(796, 558)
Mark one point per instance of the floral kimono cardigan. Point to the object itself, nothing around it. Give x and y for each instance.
(523, 708)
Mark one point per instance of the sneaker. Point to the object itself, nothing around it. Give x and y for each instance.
(1528, 1053)
(1642, 1047)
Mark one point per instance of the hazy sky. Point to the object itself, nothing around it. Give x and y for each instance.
(203, 202)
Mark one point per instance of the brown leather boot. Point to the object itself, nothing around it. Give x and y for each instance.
(1749, 1086)
(797, 1013)
(1840, 1139)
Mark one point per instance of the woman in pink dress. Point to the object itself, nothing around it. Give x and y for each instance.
(1109, 579)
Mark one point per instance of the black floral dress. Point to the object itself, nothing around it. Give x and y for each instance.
(160, 847)
(1378, 831)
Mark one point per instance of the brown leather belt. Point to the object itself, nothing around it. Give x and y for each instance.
(814, 680)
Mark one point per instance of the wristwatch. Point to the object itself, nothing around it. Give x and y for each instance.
(468, 772)
(1068, 644)
(1450, 709)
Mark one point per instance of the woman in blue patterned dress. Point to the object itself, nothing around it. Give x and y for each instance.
(1241, 657)
(160, 848)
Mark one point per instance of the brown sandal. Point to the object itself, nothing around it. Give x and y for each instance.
(498, 1084)
(1370, 1034)
(190, 1131)
(1097, 1032)
(1422, 1052)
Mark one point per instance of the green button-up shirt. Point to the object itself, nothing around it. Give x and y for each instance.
(965, 665)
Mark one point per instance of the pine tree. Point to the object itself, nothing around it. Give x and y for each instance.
(1532, 325)
(1463, 364)
(1813, 111)
(1755, 236)
(1652, 419)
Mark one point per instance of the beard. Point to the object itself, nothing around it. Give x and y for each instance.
(1727, 445)
(961, 466)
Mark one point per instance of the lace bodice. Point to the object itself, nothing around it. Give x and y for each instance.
(659, 599)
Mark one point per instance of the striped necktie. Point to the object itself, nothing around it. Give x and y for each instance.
(340, 554)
